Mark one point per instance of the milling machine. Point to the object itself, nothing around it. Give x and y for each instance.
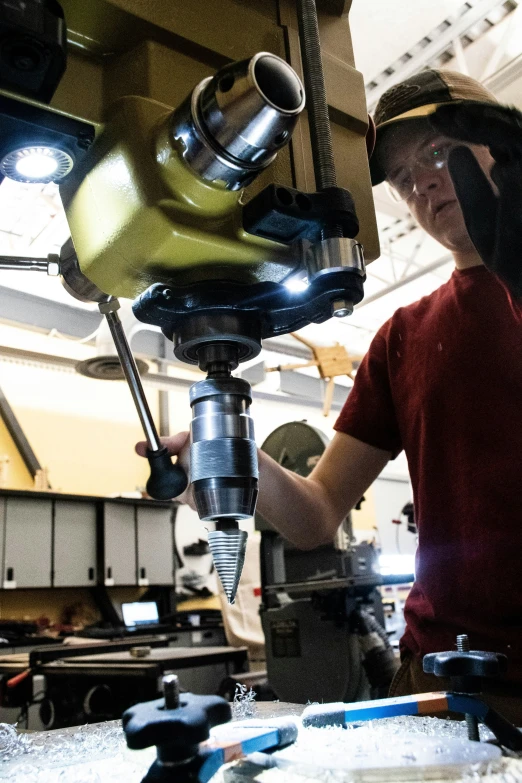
(156, 206)
(331, 593)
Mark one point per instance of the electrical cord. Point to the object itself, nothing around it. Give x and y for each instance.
(24, 712)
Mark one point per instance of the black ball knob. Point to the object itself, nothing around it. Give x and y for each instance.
(167, 480)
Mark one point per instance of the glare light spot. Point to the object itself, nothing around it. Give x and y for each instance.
(297, 284)
(397, 564)
(36, 163)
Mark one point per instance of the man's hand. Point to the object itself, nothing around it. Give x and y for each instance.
(177, 445)
(493, 220)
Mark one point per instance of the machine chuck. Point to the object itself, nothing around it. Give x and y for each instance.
(223, 467)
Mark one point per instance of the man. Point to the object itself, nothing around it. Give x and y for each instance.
(443, 381)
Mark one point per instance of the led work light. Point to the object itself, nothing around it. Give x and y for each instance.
(36, 164)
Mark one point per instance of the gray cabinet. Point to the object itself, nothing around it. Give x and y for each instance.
(119, 544)
(53, 540)
(28, 539)
(74, 544)
(155, 546)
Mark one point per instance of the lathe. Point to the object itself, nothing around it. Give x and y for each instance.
(156, 189)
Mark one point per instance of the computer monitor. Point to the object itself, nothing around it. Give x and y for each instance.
(140, 613)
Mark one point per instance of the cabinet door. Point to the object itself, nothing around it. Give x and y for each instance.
(120, 544)
(155, 546)
(28, 530)
(74, 544)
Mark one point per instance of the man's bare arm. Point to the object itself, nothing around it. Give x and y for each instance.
(306, 511)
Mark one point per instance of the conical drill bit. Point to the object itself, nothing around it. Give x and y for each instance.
(228, 549)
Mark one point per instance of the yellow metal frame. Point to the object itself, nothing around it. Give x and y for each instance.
(139, 215)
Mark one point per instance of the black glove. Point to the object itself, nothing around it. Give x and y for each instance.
(494, 222)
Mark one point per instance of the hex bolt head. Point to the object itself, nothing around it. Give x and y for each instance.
(110, 305)
(341, 308)
(53, 265)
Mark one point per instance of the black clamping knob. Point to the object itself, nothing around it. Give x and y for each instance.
(473, 663)
(167, 479)
(177, 732)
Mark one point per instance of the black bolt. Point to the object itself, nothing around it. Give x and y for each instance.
(167, 294)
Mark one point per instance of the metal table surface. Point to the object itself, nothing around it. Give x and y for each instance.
(276, 709)
(123, 663)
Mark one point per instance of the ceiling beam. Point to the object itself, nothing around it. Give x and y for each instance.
(163, 382)
(29, 311)
(505, 76)
(457, 27)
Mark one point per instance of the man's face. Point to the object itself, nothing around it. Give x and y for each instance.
(433, 202)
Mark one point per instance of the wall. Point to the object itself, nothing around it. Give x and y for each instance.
(16, 475)
(389, 497)
(82, 430)
(59, 605)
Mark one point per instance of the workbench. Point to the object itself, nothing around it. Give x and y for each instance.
(88, 687)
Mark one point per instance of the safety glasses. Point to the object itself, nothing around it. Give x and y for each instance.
(431, 156)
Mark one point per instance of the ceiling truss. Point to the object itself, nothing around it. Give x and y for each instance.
(445, 42)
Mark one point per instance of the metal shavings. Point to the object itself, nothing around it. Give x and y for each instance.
(244, 704)
(379, 734)
(86, 754)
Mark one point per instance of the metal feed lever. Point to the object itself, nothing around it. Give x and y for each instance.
(166, 480)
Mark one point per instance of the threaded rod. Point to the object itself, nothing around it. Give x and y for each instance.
(171, 691)
(471, 721)
(316, 103)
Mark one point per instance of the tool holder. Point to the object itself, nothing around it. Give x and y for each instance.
(465, 670)
(179, 725)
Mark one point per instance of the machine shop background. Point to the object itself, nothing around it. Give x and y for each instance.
(83, 429)
(60, 410)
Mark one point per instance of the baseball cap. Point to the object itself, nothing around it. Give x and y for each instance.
(416, 98)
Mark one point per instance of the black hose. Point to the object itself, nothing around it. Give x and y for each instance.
(376, 627)
(316, 103)
(379, 660)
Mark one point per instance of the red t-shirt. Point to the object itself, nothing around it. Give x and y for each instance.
(443, 381)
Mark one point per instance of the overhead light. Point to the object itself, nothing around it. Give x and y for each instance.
(36, 164)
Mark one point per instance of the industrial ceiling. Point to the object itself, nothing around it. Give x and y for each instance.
(391, 41)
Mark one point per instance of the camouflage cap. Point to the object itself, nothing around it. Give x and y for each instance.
(419, 96)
